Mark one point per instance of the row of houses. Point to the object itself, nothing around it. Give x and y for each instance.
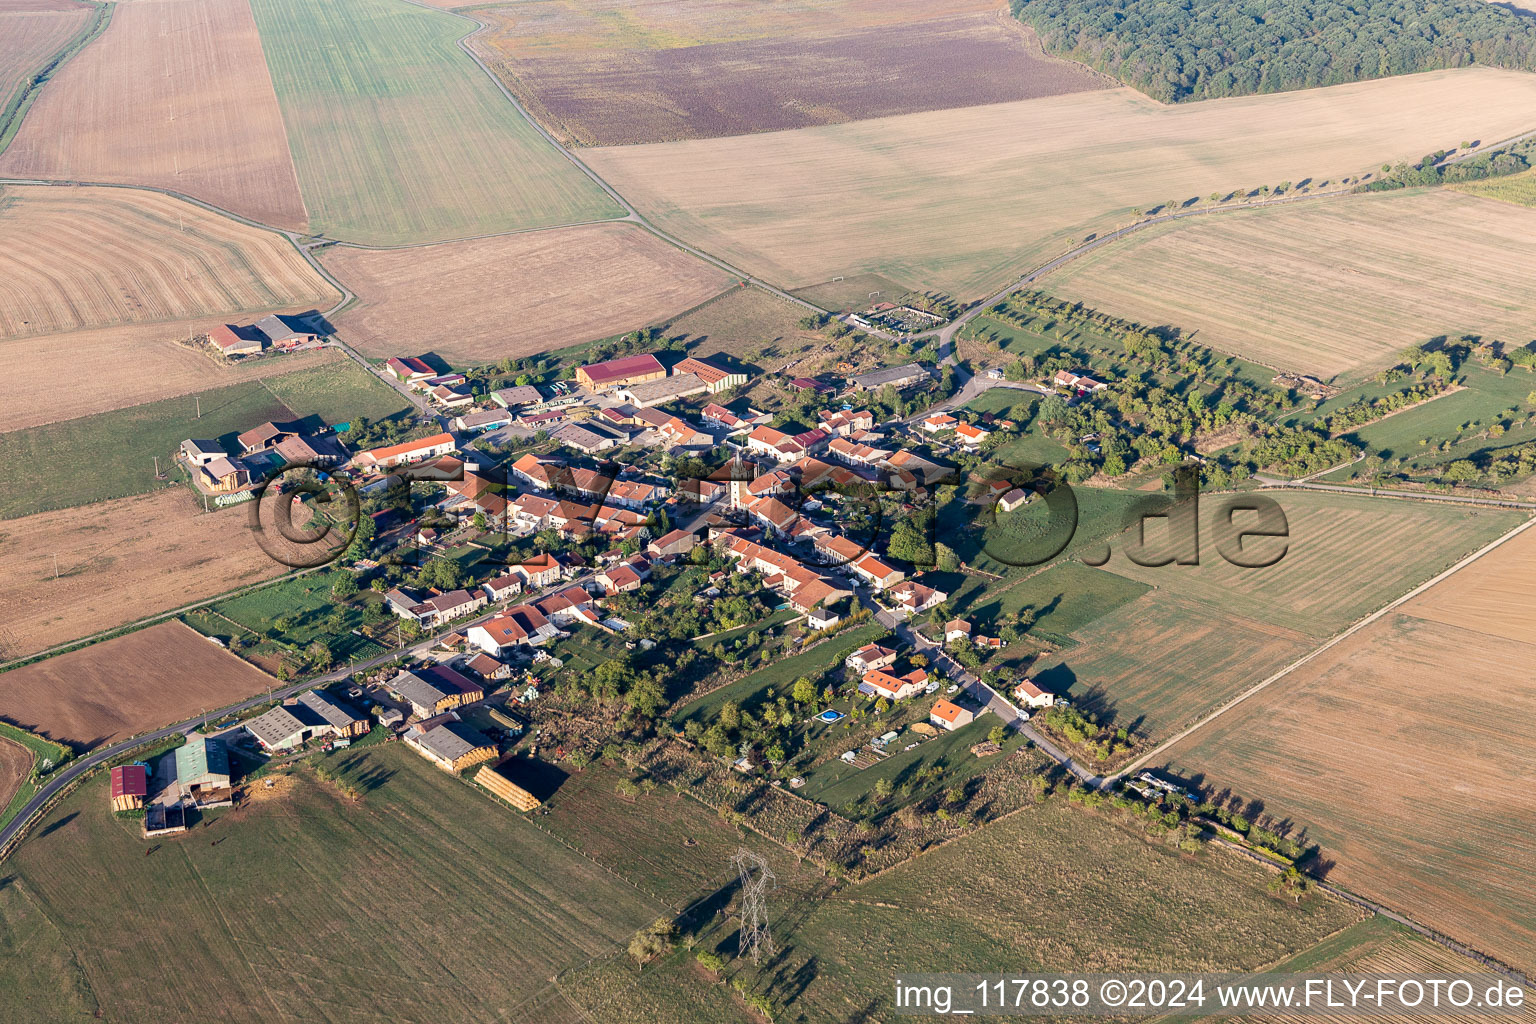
(968, 435)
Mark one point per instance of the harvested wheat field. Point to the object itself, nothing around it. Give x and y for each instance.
(965, 200)
(517, 295)
(1407, 752)
(174, 94)
(118, 561)
(1323, 288)
(30, 34)
(617, 97)
(127, 366)
(127, 685)
(72, 259)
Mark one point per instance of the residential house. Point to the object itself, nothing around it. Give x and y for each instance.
(971, 436)
(523, 625)
(843, 423)
(449, 398)
(949, 716)
(452, 746)
(503, 587)
(620, 579)
(912, 597)
(869, 658)
(679, 433)
(956, 629)
(716, 378)
(776, 444)
(673, 545)
(1031, 696)
(263, 437)
(880, 683)
(617, 373)
(1077, 382)
(1012, 499)
(541, 570)
(199, 453)
(880, 575)
(939, 421)
(411, 451)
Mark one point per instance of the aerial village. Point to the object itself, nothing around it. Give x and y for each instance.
(601, 509)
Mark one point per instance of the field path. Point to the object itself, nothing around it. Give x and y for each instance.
(1309, 656)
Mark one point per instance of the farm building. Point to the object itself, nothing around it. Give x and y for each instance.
(715, 378)
(671, 545)
(130, 785)
(520, 395)
(313, 450)
(263, 437)
(434, 689)
(650, 393)
(583, 440)
(505, 788)
(949, 716)
(453, 746)
(344, 720)
(235, 341)
(618, 373)
(411, 451)
(409, 368)
(487, 667)
(286, 727)
(485, 419)
(284, 332)
(898, 377)
(202, 771)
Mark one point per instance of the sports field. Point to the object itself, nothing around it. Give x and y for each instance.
(399, 137)
(1405, 752)
(72, 259)
(123, 560)
(964, 200)
(656, 90)
(1323, 288)
(415, 901)
(517, 295)
(174, 94)
(127, 685)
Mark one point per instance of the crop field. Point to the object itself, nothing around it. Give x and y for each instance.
(648, 93)
(174, 94)
(518, 295)
(1323, 288)
(30, 34)
(127, 559)
(307, 609)
(415, 897)
(965, 200)
(968, 907)
(131, 365)
(78, 258)
(1403, 751)
(1378, 945)
(126, 685)
(399, 137)
(1517, 188)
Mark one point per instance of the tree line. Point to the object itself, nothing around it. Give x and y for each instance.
(1203, 49)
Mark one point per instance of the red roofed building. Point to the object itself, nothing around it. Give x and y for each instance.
(409, 368)
(233, 341)
(130, 785)
(617, 373)
(410, 451)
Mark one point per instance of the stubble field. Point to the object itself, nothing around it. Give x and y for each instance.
(118, 561)
(965, 200)
(516, 295)
(1205, 633)
(30, 34)
(1406, 751)
(648, 93)
(399, 137)
(1325, 288)
(73, 259)
(127, 685)
(175, 94)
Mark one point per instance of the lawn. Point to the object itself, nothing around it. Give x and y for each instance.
(337, 393)
(399, 137)
(828, 654)
(424, 896)
(1051, 888)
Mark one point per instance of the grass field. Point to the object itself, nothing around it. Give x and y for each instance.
(1323, 288)
(1065, 598)
(1097, 898)
(1518, 188)
(780, 674)
(965, 200)
(655, 92)
(20, 753)
(309, 610)
(399, 137)
(174, 94)
(127, 559)
(518, 295)
(112, 454)
(125, 686)
(127, 366)
(415, 898)
(745, 322)
(78, 258)
(1403, 751)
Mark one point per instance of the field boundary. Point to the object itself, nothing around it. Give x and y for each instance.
(1318, 651)
(15, 110)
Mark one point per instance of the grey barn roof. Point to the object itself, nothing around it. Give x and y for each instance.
(452, 740)
(879, 378)
(417, 690)
(335, 713)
